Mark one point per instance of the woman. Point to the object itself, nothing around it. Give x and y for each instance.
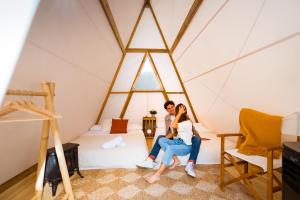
(181, 145)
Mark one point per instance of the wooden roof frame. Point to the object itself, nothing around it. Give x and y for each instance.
(147, 4)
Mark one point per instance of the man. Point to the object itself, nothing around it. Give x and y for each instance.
(196, 141)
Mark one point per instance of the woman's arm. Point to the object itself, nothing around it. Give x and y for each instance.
(180, 112)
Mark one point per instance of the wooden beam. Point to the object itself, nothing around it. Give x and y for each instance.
(112, 23)
(186, 23)
(131, 89)
(183, 88)
(136, 24)
(126, 104)
(119, 92)
(175, 92)
(147, 91)
(143, 50)
(109, 90)
(158, 26)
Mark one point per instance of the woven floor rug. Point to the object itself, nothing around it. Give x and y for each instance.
(174, 184)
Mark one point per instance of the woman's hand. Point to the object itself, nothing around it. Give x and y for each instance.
(182, 110)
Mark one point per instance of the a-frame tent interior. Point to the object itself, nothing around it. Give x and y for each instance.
(214, 56)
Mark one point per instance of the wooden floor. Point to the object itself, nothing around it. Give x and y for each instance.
(25, 188)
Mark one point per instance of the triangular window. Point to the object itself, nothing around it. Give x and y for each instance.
(147, 79)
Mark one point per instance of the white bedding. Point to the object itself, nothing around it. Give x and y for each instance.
(93, 156)
(209, 150)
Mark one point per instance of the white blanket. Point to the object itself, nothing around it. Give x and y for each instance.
(116, 142)
(93, 156)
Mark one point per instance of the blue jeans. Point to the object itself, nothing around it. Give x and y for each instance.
(173, 147)
(196, 142)
(156, 148)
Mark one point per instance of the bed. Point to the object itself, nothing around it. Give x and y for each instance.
(93, 156)
(209, 150)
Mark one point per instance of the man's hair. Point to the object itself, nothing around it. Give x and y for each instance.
(169, 102)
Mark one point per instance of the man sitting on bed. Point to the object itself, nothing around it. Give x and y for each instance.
(196, 141)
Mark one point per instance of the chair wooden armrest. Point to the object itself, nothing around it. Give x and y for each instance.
(274, 148)
(229, 134)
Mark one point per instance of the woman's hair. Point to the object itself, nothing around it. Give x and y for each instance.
(184, 115)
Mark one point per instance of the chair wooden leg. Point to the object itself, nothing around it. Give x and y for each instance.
(39, 185)
(246, 167)
(222, 167)
(270, 176)
(246, 181)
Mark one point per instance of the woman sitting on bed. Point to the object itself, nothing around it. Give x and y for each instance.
(181, 145)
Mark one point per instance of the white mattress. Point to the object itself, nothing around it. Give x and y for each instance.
(209, 150)
(93, 156)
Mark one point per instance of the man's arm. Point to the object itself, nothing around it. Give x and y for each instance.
(166, 125)
(169, 134)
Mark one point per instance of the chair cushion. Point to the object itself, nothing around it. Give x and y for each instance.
(261, 131)
(260, 161)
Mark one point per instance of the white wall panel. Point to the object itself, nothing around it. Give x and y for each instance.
(205, 12)
(222, 40)
(147, 34)
(222, 118)
(200, 96)
(65, 29)
(279, 19)
(142, 103)
(114, 106)
(15, 21)
(268, 80)
(167, 72)
(171, 15)
(78, 96)
(216, 79)
(125, 14)
(96, 15)
(128, 71)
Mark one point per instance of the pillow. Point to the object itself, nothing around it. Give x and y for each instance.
(134, 127)
(105, 125)
(96, 128)
(119, 126)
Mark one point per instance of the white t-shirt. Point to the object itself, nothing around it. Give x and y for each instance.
(185, 131)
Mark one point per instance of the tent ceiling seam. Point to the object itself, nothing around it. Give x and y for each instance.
(97, 29)
(76, 66)
(202, 30)
(284, 39)
(239, 54)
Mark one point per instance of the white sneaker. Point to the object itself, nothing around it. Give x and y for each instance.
(190, 170)
(150, 164)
